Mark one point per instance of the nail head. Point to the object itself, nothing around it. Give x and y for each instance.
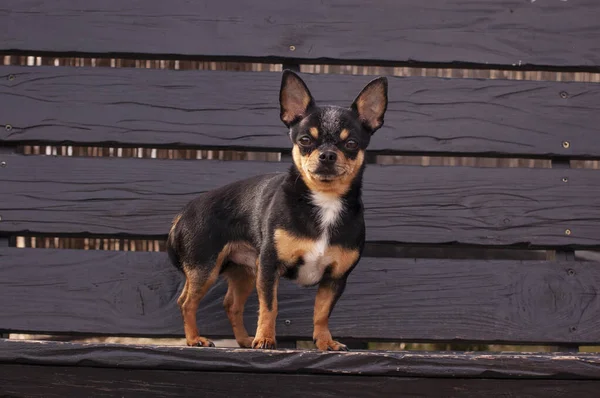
(565, 179)
(2, 164)
(288, 322)
(11, 77)
(8, 127)
(567, 231)
(564, 94)
(573, 329)
(571, 272)
(566, 144)
(292, 48)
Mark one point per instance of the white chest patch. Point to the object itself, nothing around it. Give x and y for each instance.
(329, 210)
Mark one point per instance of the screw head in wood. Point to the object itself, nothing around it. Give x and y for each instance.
(8, 127)
(566, 144)
(11, 77)
(3, 164)
(572, 329)
(564, 94)
(571, 272)
(567, 231)
(565, 179)
(288, 322)
(292, 48)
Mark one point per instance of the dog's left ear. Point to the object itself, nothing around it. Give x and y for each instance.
(371, 104)
(294, 98)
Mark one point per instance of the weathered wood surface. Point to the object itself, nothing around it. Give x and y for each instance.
(403, 203)
(509, 32)
(240, 110)
(63, 381)
(125, 293)
(583, 366)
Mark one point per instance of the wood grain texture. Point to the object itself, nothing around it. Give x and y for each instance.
(240, 110)
(403, 203)
(124, 293)
(59, 382)
(506, 32)
(583, 366)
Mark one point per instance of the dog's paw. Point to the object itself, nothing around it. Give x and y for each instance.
(266, 343)
(246, 342)
(330, 345)
(200, 342)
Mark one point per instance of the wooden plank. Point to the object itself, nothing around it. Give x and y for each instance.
(403, 203)
(59, 382)
(240, 110)
(124, 293)
(557, 366)
(505, 32)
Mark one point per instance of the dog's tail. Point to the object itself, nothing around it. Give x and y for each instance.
(171, 245)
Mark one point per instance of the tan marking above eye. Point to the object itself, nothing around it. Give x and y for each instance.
(314, 132)
(344, 134)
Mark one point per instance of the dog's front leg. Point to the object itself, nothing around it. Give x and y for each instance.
(328, 294)
(267, 282)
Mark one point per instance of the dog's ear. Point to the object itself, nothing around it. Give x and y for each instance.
(371, 104)
(294, 98)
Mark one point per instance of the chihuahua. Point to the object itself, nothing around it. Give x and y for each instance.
(306, 225)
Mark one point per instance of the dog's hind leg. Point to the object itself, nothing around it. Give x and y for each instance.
(199, 278)
(198, 281)
(241, 284)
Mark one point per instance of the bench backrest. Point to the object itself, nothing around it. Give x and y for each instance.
(390, 296)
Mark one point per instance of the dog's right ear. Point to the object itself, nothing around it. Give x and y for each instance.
(295, 99)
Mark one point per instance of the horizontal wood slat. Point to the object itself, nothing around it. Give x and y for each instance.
(125, 293)
(62, 381)
(492, 32)
(240, 110)
(526, 366)
(53, 381)
(410, 204)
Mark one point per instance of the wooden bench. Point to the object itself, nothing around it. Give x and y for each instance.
(411, 211)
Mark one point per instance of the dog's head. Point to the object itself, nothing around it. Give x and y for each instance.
(330, 141)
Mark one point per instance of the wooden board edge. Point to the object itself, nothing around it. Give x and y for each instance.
(60, 381)
(363, 363)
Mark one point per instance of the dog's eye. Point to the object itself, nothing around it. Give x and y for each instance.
(351, 144)
(305, 141)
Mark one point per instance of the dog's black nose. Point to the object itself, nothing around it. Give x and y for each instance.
(328, 157)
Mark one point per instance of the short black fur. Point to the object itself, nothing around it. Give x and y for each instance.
(263, 227)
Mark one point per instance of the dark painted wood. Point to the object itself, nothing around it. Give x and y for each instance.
(240, 110)
(59, 382)
(125, 293)
(403, 203)
(506, 32)
(558, 366)
(564, 255)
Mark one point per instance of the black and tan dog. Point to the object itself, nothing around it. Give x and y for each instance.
(306, 224)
